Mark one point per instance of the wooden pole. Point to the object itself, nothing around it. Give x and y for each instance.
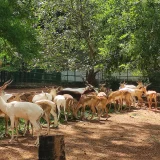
(51, 147)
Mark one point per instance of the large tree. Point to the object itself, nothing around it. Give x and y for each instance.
(83, 34)
(18, 36)
(132, 36)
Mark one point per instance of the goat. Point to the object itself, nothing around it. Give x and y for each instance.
(60, 102)
(48, 107)
(86, 100)
(41, 96)
(26, 110)
(101, 104)
(103, 88)
(70, 103)
(127, 97)
(76, 93)
(136, 93)
(26, 97)
(94, 101)
(151, 95)
(5, 97)
(124, 85)
(114, 97)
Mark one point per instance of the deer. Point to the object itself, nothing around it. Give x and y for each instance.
(151, 95)
(48, 106)
(136, 93)
(26, 110)
(5, 98)
(124, 85)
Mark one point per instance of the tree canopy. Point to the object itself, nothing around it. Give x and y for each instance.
(75, 34)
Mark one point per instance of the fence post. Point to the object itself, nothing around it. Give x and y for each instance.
(51, 147)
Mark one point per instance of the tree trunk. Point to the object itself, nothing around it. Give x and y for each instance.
(91, 77)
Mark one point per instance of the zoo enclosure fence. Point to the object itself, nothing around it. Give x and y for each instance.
(40, 77)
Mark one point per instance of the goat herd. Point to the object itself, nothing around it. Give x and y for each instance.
(32, 106)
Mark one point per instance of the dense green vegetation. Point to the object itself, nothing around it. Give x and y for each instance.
(75, 34)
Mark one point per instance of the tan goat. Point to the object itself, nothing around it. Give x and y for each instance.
(151, 95)
(116, 97)
(86, 100)
(101, 106)
(70, 104)
(127, 97)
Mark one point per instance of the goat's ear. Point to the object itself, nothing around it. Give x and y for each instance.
(139, 81)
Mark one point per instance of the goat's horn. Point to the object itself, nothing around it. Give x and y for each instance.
(6, 84)
(147, 85)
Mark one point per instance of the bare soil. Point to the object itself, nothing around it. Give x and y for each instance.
(133, 135)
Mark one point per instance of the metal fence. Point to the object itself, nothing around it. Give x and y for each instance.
(34, 76)
(38, 77)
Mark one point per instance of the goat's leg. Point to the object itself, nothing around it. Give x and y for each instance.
(37, 127)
(47, 118)
(59, 110)
(6, 118)
(134, 101)
(120, 102)
(83, 112)
(55, 118)
(16, 126)
(149, 103)
(155, 100)
(12, 119)
(99, 113)
(93, 112)
(27, 127)
(115, 105)
(64, 108)
(75, 113)
(140, 101)
(106, 110)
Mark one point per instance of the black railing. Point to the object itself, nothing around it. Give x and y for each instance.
(35, 76)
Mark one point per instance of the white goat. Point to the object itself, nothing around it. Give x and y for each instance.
(26, 110)
(5, 97)
(124, 85)
(41, 96)
(60, 102)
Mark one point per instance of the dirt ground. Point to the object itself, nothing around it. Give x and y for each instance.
(133, 135)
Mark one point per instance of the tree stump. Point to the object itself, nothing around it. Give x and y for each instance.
(51, 147)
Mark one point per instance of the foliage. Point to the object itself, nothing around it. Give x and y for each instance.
(132, 37)
(75, 34)
(18, 38)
